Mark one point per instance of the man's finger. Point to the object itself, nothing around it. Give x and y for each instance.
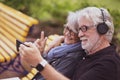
(28, 44)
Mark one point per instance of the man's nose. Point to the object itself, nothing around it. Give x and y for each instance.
(80, 33)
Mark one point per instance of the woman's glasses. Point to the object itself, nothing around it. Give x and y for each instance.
(67, 29)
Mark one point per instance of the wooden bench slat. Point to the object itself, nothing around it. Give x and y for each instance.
(11, 38)
(11, 32)
(30, 76)
(8, 42)
(34, 71)
(2, 59)
(18, 15)
(25, 78)
(8, 50)
(5, 55)
(53, 37)
(48, 42)
(14, 21)
(14, 27)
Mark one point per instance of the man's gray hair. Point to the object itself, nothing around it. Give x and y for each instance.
(95, 15)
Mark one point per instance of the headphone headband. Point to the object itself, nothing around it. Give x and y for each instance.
(103, 15)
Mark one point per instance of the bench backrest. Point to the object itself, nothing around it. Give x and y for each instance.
(13, 25)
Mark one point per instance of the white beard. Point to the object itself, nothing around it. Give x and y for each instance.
(90, 44)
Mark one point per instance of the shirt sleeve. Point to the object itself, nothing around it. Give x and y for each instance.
(66, 64)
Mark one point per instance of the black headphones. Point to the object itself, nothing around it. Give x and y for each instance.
(102, 28)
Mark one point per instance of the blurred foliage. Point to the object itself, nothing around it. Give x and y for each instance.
(116, 19)
(56, 11)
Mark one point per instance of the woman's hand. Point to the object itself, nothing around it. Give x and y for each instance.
(40, 43)
(54, 43)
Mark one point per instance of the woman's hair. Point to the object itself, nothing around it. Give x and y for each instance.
(94, 14)
(72, 22)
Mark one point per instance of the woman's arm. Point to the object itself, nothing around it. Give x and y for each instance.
(40, 43)
(54, 43)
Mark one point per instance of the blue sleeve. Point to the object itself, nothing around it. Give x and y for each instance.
(66, 64)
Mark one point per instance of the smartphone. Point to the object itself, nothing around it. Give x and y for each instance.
(18, 42)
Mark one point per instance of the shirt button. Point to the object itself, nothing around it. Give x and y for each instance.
(54, 62)
(83, 58)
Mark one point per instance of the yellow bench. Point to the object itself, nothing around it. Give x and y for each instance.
(13, 25)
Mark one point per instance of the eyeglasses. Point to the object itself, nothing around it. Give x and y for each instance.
(84, 28)
(67, 29)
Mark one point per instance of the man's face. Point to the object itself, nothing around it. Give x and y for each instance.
(88, 34)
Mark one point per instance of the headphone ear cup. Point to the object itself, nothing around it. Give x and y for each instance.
(102, 28)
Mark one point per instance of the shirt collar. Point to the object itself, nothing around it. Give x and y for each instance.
(108, 50)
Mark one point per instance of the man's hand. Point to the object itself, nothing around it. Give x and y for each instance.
(30, 54)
